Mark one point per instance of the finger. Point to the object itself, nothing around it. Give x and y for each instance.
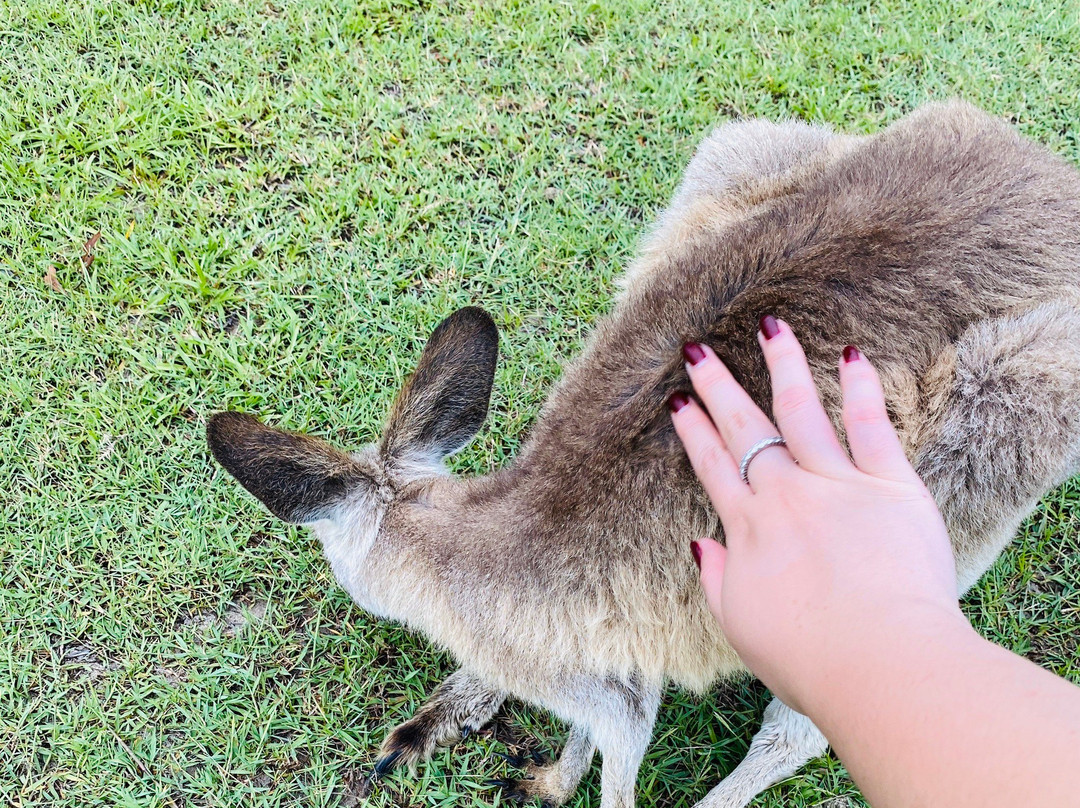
(712, 462)
(875, 447)
(737, 417)
(802, 420)
(713, 560)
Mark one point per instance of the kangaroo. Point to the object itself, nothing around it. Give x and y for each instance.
(946, 247)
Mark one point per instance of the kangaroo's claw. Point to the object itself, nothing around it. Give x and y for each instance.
(517, 761)
(383, 765)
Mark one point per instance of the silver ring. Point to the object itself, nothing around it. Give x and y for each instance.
(754, 451)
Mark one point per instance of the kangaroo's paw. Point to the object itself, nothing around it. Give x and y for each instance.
(459, 707)
(414, 742)
(542, 781)
(552, 784)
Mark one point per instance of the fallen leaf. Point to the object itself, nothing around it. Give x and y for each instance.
(51, 279)
(88, 249)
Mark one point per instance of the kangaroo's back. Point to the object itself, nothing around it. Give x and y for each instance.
(944, 219)
(899, 244)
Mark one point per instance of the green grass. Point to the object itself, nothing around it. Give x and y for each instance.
(290, 195)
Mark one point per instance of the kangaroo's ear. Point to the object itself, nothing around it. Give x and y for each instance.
(300, 479)
(445, 402)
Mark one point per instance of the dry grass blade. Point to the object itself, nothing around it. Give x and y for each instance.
(51, 279)
(88, 249)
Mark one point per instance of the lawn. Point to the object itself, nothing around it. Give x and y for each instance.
(289, 195)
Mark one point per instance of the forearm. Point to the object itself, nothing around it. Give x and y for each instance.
(931, 714)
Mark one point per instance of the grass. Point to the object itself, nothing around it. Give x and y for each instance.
(290, 195)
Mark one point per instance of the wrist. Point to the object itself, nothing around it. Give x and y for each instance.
(886, 652)
(931, 713)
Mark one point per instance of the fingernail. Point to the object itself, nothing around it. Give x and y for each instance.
(693, 353)
(695, 551)
(678, 401)
(851, 353)
(768, 326)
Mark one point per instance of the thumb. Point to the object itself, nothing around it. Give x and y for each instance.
(712, 557)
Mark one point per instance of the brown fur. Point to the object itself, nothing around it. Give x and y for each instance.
(946, 247)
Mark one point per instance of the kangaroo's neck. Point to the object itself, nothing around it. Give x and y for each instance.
(428, 537)
(491, 568)
(452, 555)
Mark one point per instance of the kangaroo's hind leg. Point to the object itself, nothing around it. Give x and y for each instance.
(739, 157)
(612, 714)
(738, 166)
(461, 704)
(785, 742)
(1003, 428)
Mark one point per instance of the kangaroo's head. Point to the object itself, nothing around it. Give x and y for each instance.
(343, 496)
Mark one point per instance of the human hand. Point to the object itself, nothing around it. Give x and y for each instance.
(824, 555)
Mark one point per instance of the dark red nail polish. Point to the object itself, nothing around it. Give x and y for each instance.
(693, 353)
(851, 353)
(768, 326)
(695, 551)
(678, 401)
